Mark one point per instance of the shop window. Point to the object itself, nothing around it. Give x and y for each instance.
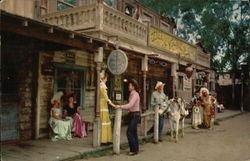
(180, 82)
(70, 82)
(64, 4)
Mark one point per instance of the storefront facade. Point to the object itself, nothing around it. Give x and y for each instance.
(68, 60)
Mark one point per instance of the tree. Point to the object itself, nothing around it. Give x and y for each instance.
(219, 23)
(223, 26)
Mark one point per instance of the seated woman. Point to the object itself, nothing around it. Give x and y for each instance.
(61, 127)
(70, 109)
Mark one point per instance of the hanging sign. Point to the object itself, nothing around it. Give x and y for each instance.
(117, 62)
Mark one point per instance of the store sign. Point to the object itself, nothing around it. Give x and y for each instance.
(165, 41)
(117, 62)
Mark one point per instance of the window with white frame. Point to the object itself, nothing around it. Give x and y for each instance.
(70, 81)
(64, 4)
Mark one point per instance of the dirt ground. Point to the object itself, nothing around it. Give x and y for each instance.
(230, 141)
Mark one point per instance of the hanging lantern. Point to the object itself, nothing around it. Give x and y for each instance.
(189, 70)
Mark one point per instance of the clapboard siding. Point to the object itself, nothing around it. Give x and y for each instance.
(46, 85)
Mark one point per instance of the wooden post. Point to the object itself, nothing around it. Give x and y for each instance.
(174, 67)
(144, 122)
(156, 124)
(39, 80)
(117, 131)
(145, 125)
(97, 132)
(97, 122)
(144, 68)
(144, 90)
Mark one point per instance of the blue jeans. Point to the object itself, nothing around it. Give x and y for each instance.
(161, 124)
(132, 133)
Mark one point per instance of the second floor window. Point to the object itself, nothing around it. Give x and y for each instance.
(109, 2)
(64, 4)
(129, 10)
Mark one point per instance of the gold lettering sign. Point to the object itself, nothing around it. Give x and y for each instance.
(165, 41)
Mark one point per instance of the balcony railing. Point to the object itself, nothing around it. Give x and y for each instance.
(95, 18)
(99, 17)
(78, 18)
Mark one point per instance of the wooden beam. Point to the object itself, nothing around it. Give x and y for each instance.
(51, 30)
(25, 23)
(41, 33)
(90, 40)
(72, 35)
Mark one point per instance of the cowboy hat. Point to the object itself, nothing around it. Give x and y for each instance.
(158, 84)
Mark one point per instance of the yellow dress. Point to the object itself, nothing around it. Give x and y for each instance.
(106, 132)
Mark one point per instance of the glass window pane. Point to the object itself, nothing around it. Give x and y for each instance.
(62, 6)
(109, 2)
(70, 82)
(68, 79)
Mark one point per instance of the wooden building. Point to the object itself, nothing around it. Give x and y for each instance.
(55, 45)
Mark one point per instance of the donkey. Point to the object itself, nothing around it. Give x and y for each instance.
(177, 113)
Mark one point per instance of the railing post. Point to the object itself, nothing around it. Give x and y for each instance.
(117, 131)
(156, 124)
(144, 125)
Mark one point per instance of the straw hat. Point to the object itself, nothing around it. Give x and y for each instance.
(57, 96)
(158, 84)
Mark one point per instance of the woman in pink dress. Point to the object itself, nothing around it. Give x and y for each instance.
(71, 109)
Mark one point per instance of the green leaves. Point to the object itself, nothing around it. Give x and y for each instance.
(223, 26)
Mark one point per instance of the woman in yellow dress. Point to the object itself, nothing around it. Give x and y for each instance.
(106, 131)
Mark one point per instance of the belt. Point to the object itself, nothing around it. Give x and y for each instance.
(136, 113)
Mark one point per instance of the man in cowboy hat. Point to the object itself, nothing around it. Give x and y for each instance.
(157, 98)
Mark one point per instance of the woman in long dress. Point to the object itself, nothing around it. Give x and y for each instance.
(71, 110)
(60, 126)
(208, 104)
(106, 131)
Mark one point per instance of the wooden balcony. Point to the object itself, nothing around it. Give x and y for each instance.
(99, 18)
